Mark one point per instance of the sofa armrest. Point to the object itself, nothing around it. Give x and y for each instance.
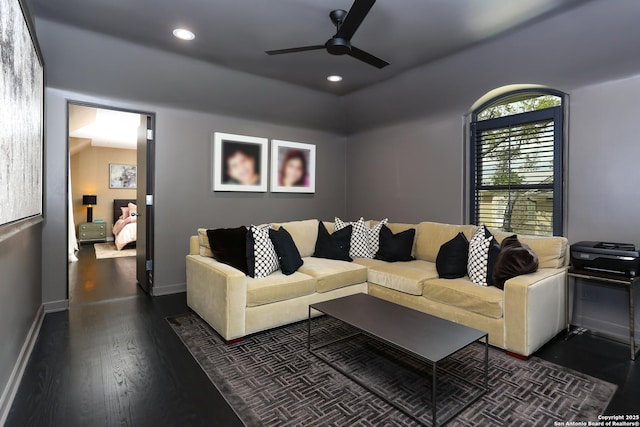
(218, 293)
(534, 309)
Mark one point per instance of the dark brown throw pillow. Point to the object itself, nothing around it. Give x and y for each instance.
(515, 259)
(229, 246)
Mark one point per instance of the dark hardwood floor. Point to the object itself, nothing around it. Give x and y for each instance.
(119, 363)
(92, 279)
(116, 363)
(601, 358)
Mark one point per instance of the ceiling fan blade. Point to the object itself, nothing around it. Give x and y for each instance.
(295, 49)
(354, 18)
(367, 57)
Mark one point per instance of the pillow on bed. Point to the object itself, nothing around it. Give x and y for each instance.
(126, 213)
(133, 209)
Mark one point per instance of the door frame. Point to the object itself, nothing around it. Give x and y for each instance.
(151, 169)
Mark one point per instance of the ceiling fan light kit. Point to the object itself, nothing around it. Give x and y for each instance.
(340, 44)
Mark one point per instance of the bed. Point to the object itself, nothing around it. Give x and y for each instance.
(125, 229)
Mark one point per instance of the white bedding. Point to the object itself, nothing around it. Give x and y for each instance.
(125, 231)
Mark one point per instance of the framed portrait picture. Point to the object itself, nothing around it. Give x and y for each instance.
(293, 167)
(123, 176)
(240, 163)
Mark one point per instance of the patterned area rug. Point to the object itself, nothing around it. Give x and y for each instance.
(108, 250)
(270, 378)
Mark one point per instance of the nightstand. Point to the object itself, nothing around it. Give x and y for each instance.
(92, 232)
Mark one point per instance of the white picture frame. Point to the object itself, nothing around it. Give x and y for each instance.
(304, 156)
(233, 158)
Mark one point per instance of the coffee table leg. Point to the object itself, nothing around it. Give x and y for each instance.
(486, 362)
(309, 330)
(433, 395)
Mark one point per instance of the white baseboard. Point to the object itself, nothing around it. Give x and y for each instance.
(55, 306)
(168, 289)
(10, 390)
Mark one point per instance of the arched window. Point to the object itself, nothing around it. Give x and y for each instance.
(516, 160)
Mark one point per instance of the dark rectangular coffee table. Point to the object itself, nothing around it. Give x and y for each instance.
(427, 338)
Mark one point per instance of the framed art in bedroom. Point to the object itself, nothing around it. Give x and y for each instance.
(240, 163)
(21, 116)
(293, 167)
(123, 176)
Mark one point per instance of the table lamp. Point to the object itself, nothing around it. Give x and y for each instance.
(90, 201)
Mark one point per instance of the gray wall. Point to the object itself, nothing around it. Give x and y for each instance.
(604, 191)
(183, 198)
(20, 294)
(187, 96)
(408, 172)
(423, 179)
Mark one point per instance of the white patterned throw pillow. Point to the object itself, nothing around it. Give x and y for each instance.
(478, 262)
(266, 259)
(374, 237)
(359, 237)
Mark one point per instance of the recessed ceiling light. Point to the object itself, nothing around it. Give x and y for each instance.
(183, 34)
(334, 78)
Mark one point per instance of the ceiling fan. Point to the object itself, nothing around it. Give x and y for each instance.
(346, 26)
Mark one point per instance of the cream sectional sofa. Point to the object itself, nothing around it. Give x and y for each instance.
(520, 318)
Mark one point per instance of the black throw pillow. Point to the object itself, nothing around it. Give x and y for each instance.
(395, 247)
(229, 246)
(494, 252)
(287, 251)
(452, 258)
(250, 254)
(333, 246)
(514, 259)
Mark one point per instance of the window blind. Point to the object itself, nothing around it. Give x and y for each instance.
(517, 172)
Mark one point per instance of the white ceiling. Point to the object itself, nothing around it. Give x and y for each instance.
(235, 33)
(103, 128)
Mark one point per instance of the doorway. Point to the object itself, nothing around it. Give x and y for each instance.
(110, 213)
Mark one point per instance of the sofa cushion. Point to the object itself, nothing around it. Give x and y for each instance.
(278, 287)
(461, 293)
(303, 233)
(369, 262)
(333, 274)
(551, 251)
(407, 277)
(431, 235)
(288, 254)
(452, 258)
(229, 246)
(333, 246)
(203, 243)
